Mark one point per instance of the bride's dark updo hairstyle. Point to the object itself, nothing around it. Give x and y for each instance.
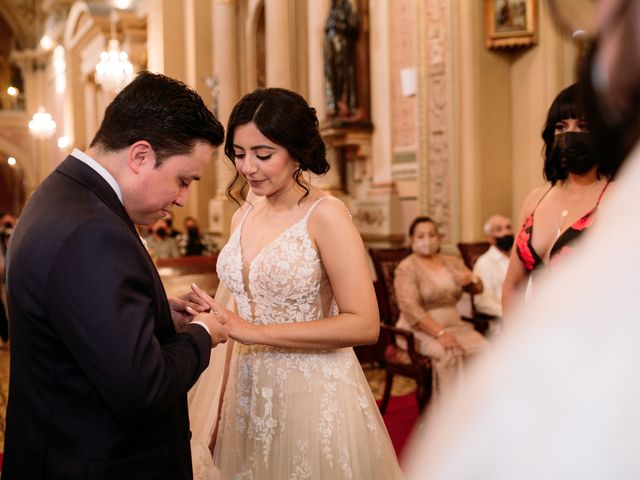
(285, 118)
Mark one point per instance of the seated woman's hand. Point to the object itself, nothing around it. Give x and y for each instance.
(239, 329)
(449, 342)
(464, 277)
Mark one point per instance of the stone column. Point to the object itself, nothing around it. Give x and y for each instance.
(278, 43)
(317, 17)
(381, 90)
(226, 93)
(376, 204)
(198, 58)
(166, 36)
(317, 12)
(33, 65)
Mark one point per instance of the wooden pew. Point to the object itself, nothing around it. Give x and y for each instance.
(178, 274)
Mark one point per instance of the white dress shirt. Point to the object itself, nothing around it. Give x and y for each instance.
(491, 267)
(100, 170)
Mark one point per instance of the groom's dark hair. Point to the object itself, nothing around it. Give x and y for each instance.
(161, 110)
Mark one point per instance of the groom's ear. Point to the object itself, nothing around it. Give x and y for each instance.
(140, 156)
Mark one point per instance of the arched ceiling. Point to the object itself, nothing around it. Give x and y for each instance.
(23, 21)
(18, 22)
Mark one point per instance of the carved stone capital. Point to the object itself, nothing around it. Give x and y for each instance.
(31, 60)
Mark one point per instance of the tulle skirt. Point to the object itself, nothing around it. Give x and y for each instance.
(300, 415)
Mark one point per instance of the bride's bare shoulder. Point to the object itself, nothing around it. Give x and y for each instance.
(239, 215)
(329, 216)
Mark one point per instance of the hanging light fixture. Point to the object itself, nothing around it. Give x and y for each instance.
(42, 125)
(114, 70)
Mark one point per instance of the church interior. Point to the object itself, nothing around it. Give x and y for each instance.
(437, 108)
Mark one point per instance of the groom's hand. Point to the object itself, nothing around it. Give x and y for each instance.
(184, 309)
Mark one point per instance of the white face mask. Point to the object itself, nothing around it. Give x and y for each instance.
(425, 246)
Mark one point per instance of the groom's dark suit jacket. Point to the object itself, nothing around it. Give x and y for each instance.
(99, 377)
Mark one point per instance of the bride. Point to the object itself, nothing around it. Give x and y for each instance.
(295, 402)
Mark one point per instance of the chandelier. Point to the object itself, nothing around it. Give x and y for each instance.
(42, 125)
(114, 70)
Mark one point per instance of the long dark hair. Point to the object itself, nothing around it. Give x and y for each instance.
(567, 104)
(285, 118)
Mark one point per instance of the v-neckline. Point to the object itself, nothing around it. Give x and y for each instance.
(246, 267)
(533, 249)
(566, 230)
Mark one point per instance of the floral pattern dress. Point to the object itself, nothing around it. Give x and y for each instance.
(290, 414)
(531, 260)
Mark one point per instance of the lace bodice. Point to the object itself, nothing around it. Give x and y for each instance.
(286, 280)
(294, 414)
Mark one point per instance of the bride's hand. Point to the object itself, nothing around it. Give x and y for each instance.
(239, 329)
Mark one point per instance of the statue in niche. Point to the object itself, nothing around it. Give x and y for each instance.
(341, 35)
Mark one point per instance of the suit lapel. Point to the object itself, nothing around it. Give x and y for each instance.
(87, 176)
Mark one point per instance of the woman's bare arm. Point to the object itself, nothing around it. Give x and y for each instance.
(344, 259)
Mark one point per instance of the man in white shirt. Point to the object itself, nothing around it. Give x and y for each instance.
(491, 266)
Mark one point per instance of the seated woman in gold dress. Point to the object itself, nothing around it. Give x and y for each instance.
(428, 286)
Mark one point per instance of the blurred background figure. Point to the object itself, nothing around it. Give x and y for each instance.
(555, 215)
(7, 224)
(192, 242)
(4, 323)
(491, 266)
(557, 397)
(173, 232)
(428, 286)
(160, 242)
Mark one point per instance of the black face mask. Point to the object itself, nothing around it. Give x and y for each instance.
(161, 232)
(193, 232)
(505, 242)
(574, 152)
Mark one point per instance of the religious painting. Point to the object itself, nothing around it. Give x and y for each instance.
(510, 23)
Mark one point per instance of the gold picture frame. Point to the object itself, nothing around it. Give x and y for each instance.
(510, 23)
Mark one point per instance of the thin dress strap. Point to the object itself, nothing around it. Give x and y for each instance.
(602, 193)
(540, 200)
(244, 217)
(306, 216)
(563, 242)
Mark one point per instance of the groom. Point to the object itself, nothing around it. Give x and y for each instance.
(101, 361)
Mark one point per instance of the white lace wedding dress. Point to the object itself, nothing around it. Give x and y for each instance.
(293, 414)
